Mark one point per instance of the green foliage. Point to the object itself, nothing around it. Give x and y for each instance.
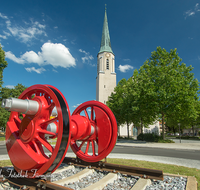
(171, 86)
(199, 133)
(163, 88)
(125, 138)
(151, 137)
(3, 65)
(7, 93)
(128, 106)
(165, 141)
(120, 104)
(188, 137)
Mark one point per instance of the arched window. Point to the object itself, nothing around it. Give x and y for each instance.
(107, 64)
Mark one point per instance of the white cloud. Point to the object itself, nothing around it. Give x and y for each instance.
(2, 16)
(87, 57)
(10, 86)
(126, 59)
(54, 70)
(125, 68)
(4, 37)
(39, 71)
(74, 106)
(12, 57)
(25, 34)
(192, 11)
(56, 55)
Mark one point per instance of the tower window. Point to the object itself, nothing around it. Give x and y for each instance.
(107, 64)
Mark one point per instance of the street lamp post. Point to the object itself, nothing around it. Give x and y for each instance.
(179, 132)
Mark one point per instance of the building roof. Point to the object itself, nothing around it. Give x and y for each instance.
(105, 39)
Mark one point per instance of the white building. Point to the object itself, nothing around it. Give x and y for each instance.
(106, 78)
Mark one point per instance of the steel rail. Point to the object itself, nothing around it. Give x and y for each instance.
(28, 183)
(41, 184)
(129, 170)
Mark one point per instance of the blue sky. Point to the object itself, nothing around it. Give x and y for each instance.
(57, 42)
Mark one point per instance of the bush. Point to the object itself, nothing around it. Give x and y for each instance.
(149, 137)
(188, 137)
(199, 133)
(166, 141)
(130, 138)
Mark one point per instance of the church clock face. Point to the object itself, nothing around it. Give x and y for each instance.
(107, 55)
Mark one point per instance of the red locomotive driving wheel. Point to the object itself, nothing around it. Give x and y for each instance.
(102, 135)
(29, 149)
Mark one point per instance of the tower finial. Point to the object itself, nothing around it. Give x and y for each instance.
(105, 6)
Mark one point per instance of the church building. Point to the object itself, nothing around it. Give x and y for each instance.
(106, 78)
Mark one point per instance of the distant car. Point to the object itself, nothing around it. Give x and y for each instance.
(176, 134)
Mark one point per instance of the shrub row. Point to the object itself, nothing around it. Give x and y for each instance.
(149, 137)
(187, 137)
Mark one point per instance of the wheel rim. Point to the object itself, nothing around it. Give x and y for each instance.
(105, 136)
(26, 137)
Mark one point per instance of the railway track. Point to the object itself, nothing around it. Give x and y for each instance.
(77, 174)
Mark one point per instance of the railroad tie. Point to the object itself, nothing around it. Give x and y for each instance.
(63, 169)
(75, 177)
(103, 182)
(141, 184)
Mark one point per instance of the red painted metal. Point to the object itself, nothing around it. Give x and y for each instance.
(92, 124)
(100, 131)
(25, 134)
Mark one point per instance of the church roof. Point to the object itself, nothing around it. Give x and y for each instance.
(105, 39)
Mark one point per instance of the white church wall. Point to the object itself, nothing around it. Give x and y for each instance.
(154, 128)
(123, 130)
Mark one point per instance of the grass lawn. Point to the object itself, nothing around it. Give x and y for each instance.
(166, 168)
(2, 136)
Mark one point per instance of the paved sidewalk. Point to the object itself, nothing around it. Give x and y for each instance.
(184, 145)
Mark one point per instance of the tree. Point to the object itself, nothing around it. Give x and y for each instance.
(127, 104)
(171, 86)
(3, 65)
(7, 93)
(143, 112)
(118, 102)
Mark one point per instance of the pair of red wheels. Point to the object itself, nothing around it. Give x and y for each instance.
(91, 131)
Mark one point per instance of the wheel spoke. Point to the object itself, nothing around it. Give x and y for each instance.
(47, 132)
(51, 106)
(83, 142)
(47, 97)
(86, 113)
(93, 148)
(46, 144)
(49, 121)
(87, 147)
(92, 113)
(36, 147)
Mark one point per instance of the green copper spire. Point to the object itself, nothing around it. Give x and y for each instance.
(105, 39)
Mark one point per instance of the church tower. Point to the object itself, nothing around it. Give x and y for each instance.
(106, 76)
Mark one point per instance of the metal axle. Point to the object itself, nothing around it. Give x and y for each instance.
(26, 106)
